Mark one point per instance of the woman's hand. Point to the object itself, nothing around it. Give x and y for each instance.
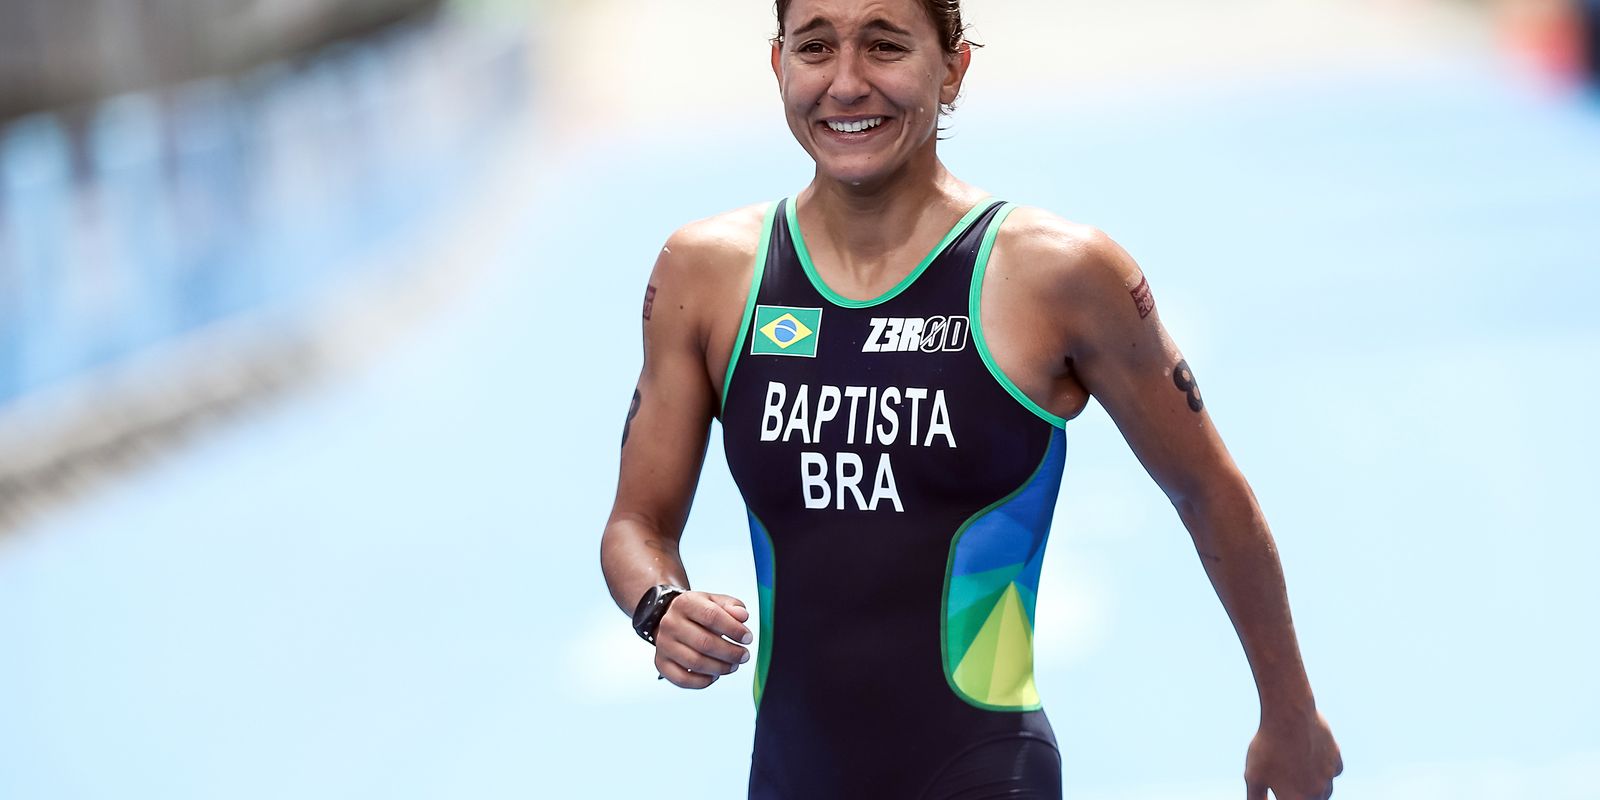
(690, 648)
(1297, 760)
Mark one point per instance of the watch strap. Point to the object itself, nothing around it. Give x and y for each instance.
(652, 608)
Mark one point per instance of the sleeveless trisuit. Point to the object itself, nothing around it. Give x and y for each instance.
(899, 490)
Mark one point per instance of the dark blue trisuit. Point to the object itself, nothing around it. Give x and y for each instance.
(899, 490)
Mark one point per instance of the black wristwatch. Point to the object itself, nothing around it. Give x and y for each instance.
(652, 607)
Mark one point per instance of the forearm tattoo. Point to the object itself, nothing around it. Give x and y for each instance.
(633, 410)
(1183, 378)
(649, 300)
(1142, 298)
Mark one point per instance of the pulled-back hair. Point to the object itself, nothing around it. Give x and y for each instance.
(946, 16)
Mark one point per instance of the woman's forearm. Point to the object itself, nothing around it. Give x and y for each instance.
(635, 556)
(1241, 559)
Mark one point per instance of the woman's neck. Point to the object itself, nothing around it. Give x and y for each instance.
(863, 231)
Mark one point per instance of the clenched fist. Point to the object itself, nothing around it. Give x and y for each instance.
(690, 648)
(1297, 759)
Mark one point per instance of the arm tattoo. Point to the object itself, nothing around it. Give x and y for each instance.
(649, 300)
(1183, 378)
(1142, 298)
(633, 410)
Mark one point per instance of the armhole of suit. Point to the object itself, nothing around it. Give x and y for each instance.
(974, 300)
(749, 304)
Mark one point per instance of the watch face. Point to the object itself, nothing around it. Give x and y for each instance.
(653, 599)
(650, 607)
(657, 596)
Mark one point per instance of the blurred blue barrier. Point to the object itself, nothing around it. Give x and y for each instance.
(227, 196)
(207, 204)
(36, 202)
(126, 298)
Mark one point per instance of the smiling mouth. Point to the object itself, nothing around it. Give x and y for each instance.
(856, 126)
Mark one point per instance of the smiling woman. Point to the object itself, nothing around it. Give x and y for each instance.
(894, 356)
(852, 57)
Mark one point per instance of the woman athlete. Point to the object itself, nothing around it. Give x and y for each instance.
(893, 356)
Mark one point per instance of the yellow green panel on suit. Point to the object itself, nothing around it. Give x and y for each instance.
(998, 667)
(991, 591)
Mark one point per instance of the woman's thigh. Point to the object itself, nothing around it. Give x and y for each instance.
(1013, 768)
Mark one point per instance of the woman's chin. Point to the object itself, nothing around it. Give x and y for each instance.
(854, 177)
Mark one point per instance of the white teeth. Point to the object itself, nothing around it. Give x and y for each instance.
(855, 127)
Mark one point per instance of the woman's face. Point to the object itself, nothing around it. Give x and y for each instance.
(862, 81)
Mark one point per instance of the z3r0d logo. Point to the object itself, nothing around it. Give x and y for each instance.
(911, 334)
(786, 331)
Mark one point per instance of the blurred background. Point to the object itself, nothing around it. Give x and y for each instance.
(318, 322)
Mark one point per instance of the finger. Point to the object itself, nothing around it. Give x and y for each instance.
(716, 619)
(736, 609)
(678, 676)
(682, 629)
(688, 657)
(739, 613)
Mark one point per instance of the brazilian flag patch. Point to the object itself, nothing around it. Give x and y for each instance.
(785, 331)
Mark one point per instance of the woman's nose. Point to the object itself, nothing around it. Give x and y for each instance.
(849, 80)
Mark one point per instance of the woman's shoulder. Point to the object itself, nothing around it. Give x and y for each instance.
(704, 269)
(717, 244)
(1049, 251)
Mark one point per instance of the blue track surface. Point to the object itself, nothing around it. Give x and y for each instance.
(388, 586)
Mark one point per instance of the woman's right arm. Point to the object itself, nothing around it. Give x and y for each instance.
(663, 446)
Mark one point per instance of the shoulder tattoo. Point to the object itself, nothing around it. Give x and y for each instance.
(1142, 298)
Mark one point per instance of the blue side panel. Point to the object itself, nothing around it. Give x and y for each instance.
(761, 545)
(1015, 531)
(1029, 576)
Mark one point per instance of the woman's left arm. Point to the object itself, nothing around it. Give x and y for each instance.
(1121, 353)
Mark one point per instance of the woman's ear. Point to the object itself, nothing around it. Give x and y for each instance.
(955, 72)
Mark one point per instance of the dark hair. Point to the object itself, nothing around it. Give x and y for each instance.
(946, 16)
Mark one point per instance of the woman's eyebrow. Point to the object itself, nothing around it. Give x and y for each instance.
(815, 23)
(882, 24)
(876, 23)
